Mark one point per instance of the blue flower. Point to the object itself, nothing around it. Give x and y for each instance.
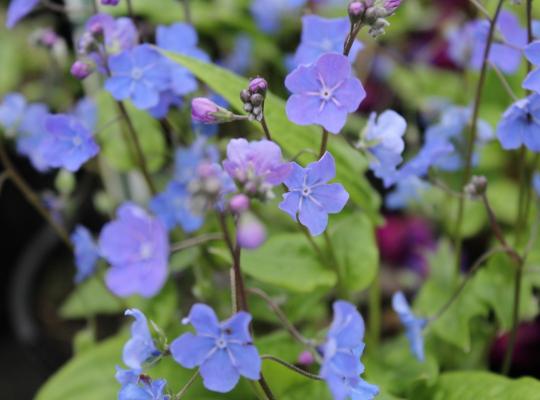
(224, 351)
(86, 253)
(18, 9)
(383, 138)
(342, 350)
(413, 325)
(323, 35)
(268, 13)
(137, 247)
(139, 74)
(167, 100)
(140, 349)
(32, 133)
(86, 111)
(532, 52)
(12, 111)
(323, 93)
(407, 191)
(187, 160)
(239, 58)
(536, 183)
(180, 38)
(173, 208)
(520, 125)
(68, 143)
(139, 387)
(311, 197)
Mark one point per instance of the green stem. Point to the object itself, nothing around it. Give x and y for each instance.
(335, 264)
(131, 12)
(266, 389)
(30, 196)
(266, 129)
(140, 158)
(196, 241)
(324, 142)
(188, 384)
(374, 327)
(472, 135)
(187, 11)
(291, 367)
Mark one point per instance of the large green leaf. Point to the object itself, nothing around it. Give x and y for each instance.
(351, 165)
(117, 146)
(478, 385)
(287, 261)
(356, 251)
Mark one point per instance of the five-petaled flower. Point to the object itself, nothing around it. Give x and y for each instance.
(223, 350)
(532, 52)
(311, 197)
(520, 125)
(140, 348)
(139, 74)
(86, 253)
(323, 93)
(137, 247)
(140, 387)
(413, 325)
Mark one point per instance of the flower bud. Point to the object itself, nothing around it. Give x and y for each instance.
(391, 5)
(306, 358)
(251, 232)
(205, 111)
(476, 187)
(258, 85)
(239, 203)
(356, 11)
(245, 95)
(257, 99)
(80, 69)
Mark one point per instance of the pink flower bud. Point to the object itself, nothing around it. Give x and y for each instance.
(356, 9)
(239, 203)
(80, 69)
(306, 358)
(110, 2)
(258, 85)
(251, 232)
(391, 5)
(203, 110)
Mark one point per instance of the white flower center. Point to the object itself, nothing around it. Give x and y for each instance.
(146, 250)
(77, 141)
(221, 343)
(326, 45)
(136, 74)
(306, 191)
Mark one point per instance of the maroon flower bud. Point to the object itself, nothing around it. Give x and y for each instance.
(80, 69)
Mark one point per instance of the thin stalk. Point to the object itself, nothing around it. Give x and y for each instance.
(472, 136)
(281, 316)
(292, 367)
(504, 82)
(186, 387)
(266, 129)
(324, 142)
(140, 158)
(266, 389)
(481, 8)
(351, 37)
(196, 241)
(30, 196)
(507, 363)
(187, 11)
(131, 12)
(375, 311)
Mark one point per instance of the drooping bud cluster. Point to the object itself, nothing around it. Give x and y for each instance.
(253, 98)
(373, 13)
(476, 187)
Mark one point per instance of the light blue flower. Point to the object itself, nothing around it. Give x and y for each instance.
(520, 125)
(32, 133)
(223, 351)
(12, 110)
(18, 9)
(86, 253)
(414, 326)
(407, 191)
(532, 81)
(139, 387)
(140, 348)
(268, 14)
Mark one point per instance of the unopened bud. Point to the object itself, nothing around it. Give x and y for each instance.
(258, 85)
(205, 111)
(257, 99)
(356, 11)
(251, 233)
(80, 69)
(245, 95)
(476, 187)
(239, 203)
(306, 358)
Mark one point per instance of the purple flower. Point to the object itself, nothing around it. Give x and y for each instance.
(12, 111)
(391, 5)
(344, 345)
(520, 125)
(187, 160)
(204, 110)
(323, 93)
(110, 2)
(413, 325)
(81, 69)
(532, 52)
(536, 183)
(137, 247)
(86, 253)
(140, 349)
(32, 133)
(18, 9)
(224, 351)
(257, 166)
(173, 207)
(268, 13)
(383, 138)
(68, 143)
(251, 233)
(323, 35)
(139, 74)
(311, 197)
(180, 38)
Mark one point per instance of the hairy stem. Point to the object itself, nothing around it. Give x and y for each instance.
(291, 367)
(266, 129)
(472, 135)
(30, 196)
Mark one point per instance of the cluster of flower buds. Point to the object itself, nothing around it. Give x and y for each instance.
(253, 98)
(207, 187)
(373, 13)
(477, 187)
(205, 111)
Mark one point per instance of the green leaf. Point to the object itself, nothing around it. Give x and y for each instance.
(90, 298)
(478, 385)
(287, 261)
(453, 324)
(117, 147)
(351, 165)
(356, 251)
